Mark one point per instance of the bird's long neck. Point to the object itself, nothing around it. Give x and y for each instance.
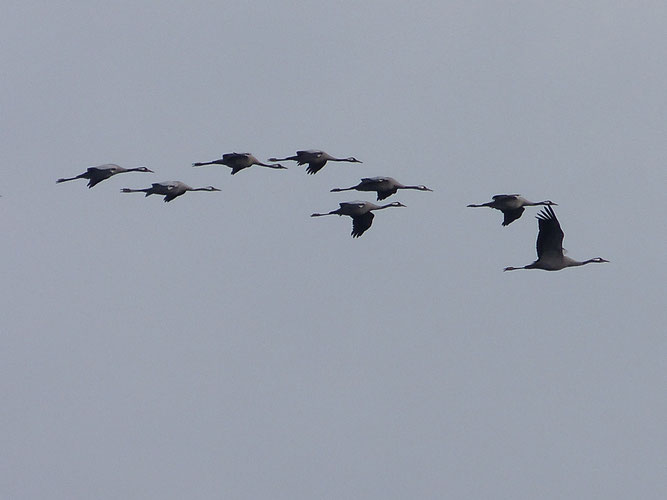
(480, 205)
(277, 165)
(337, 190)
(535, 203)
(382, 206)
(575, 263)
(284, 159)
(197, 189)
(128, 190)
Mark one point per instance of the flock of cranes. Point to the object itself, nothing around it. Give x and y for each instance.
(550, 254)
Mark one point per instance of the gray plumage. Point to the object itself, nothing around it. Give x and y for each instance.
(550, 255)
(315, 158)
(168, 189)
(511, 205)
(97, 174)
(361, 213)
(384, 186)
(237, 162)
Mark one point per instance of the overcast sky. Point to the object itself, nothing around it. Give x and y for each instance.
(227, 345)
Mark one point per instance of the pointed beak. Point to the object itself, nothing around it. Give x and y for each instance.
(216, 189)
(149, 170)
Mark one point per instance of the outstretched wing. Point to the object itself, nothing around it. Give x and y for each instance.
(550, 236)
(361, 223)
(314, 167)
(386, 193)
(502, 197)
(107, 167)
(316, 153)
(512, 215)
(234, 156)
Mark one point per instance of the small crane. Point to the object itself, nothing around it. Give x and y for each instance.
(168, 189)
(237, 162)
(315, 159)
(384, 186)
(97, 174)
(361, 213)
(511, 205)
(550, 255)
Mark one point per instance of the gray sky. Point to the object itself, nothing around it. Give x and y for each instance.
(226, 345)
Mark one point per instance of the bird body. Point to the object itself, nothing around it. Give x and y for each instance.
(550, 256)
(384, 186)
(168, 189)
(237, 162)
(361, 213)
(512, 206)
(315, 158)
(97, 174)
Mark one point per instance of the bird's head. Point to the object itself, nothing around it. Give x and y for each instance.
(549, 202)
(599, 259)
(144, 169)
(396, 204)
(211, 188)
(352, 159)
(423, 188)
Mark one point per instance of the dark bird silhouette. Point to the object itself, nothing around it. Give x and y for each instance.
(315, 159)
(95, 175)
(384, 186)
(550, 255)
(168, 189)
(361, 213)
(511, 205)
(237, 162)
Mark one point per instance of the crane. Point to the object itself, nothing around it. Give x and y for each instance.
(361, 213)
(315, 159)
(550, 255)
(384, 186)
(511, 205)
(237, 162)
(97, 174)
(168, 189)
